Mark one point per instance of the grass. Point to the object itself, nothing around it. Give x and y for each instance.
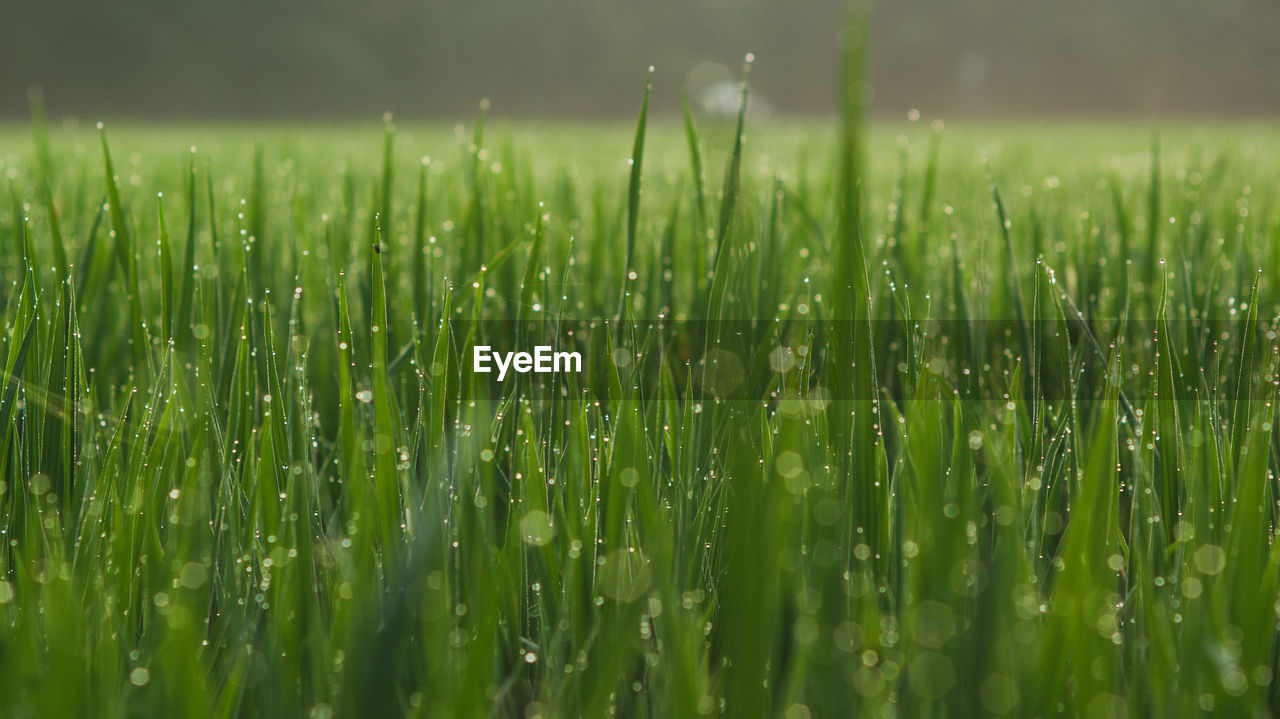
(968, 422)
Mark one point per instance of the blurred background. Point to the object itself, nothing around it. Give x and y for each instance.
(436, 59)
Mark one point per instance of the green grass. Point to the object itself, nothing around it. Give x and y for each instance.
(974, 421)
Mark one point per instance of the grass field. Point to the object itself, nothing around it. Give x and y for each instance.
(935, 422)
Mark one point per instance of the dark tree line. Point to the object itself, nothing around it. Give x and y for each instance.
(437, 58)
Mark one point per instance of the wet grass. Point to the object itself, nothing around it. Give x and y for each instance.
(974, 421)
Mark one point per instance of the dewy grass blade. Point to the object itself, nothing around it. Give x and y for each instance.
(386, 475)
(699, 195)
(715, 309)
(422, 281)
(115, 211)
(930, 182)
(858, 443)
(1244, 376)
(1015, 287)
(187, 270)
(1153, 213)
(166, 275)
(633, 197)
(15, 365)
(733, 171)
